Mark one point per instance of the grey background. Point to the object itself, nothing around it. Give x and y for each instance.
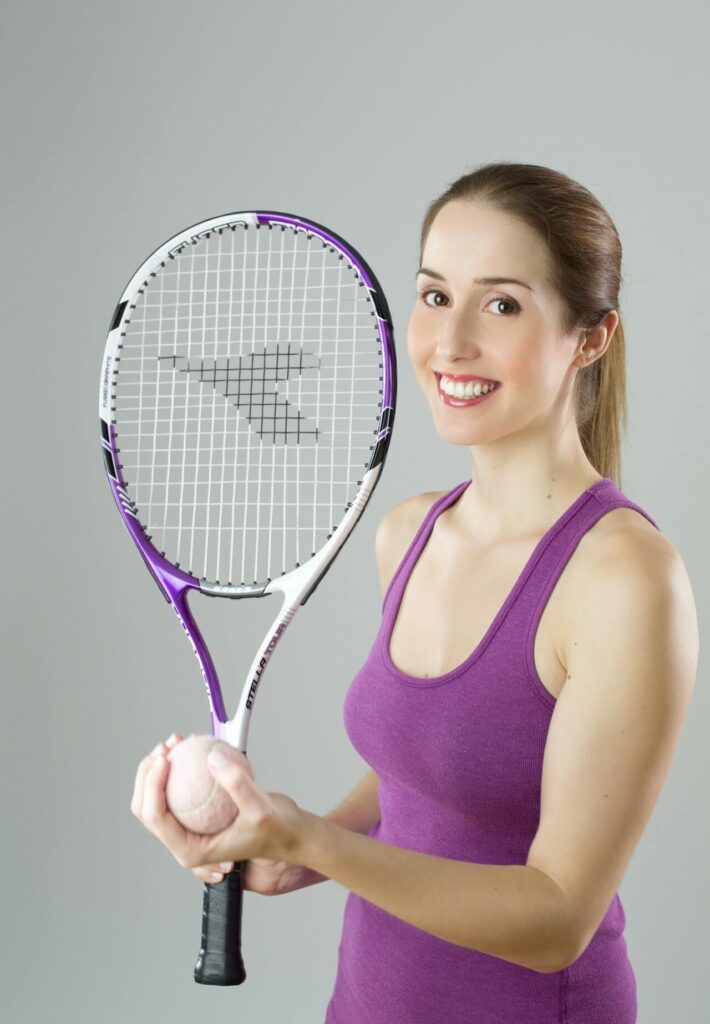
(123, 123)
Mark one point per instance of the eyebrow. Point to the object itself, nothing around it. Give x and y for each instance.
(477, 280)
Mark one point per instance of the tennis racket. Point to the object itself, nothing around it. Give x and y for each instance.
(246, 407)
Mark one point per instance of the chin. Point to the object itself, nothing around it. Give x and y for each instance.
(461, 436)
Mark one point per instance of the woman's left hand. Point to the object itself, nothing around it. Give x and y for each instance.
(269, 825)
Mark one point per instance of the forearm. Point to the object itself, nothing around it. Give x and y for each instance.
(358, 812)
(360, 809)
(513, 912)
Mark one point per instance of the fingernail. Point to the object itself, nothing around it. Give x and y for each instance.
(216, 759)
(216, 875)
(171, 738)
(227, 864)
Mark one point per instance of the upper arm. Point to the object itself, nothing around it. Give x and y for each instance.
(631, 656)
(396, 531)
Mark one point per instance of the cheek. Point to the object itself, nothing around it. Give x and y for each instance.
(418, 341)
(526, 360)
(532, 374)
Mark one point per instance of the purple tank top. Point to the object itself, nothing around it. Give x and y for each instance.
(459, 758)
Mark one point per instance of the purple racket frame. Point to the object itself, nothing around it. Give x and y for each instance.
(220, 961)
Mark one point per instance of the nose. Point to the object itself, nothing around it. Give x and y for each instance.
(456, 338)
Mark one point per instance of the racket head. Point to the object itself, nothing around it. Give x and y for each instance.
(241, 374)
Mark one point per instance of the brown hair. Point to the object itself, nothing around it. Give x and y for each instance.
(584, 252)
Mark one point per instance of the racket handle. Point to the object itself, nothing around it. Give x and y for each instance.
(220, 959)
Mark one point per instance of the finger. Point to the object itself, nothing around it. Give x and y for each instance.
(211, 872)
(233, 772)
(157, 818)
(154, 804)
(173, 740)
(143, 769)
(224, 867)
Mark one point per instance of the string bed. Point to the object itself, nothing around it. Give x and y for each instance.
(247, 400)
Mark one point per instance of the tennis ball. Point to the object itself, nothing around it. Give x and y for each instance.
(192, 793)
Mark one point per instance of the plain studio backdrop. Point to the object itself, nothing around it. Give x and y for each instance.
(122, 123)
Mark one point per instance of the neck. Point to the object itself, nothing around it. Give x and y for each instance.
(523, 489)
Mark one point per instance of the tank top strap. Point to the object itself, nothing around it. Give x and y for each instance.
(556, 549)
(401, 575)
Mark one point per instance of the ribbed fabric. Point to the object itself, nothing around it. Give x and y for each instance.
(459, 757)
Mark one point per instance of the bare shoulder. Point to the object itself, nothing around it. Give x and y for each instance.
(624, 554)
(396, 531)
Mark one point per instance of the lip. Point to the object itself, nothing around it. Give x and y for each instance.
(459, 403)
(464, 377)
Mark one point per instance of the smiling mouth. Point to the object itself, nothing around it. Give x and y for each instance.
(458, 389)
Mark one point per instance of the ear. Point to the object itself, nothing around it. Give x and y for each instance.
(595, 341)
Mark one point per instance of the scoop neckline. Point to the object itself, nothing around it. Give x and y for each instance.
(414, 551)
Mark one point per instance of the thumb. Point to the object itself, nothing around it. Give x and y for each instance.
(233, 772)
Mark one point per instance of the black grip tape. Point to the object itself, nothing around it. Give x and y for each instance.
(220, 960)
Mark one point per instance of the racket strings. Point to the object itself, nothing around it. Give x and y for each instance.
(248, 395)
(238, 387)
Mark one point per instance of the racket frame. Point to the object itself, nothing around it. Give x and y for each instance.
(220, 961)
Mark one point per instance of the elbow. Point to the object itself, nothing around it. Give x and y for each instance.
(560, 938)
(564, 956)
(549, 957)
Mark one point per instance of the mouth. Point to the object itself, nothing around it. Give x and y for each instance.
(465, 389)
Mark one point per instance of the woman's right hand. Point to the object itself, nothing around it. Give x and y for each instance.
(266, 877)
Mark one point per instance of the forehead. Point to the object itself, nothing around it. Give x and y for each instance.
(475, 240)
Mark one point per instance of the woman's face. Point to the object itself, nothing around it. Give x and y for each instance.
(505, 332)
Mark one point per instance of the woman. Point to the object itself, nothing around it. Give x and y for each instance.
(536, 657)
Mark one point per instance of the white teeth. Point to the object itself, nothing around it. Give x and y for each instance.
(457, 389)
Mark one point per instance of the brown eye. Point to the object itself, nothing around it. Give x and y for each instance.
(506, 302)
(431, 291)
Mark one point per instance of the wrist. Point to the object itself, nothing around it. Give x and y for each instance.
(314, 836)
